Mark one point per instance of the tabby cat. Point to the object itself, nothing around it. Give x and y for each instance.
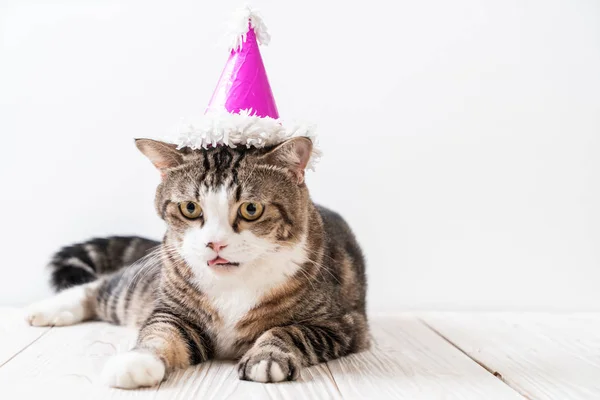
(249, 269)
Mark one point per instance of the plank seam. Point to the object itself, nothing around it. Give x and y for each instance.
(333, 380)
(493, 372)
(26, 347)
(158, 388)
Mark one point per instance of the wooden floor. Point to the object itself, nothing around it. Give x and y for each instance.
(414, 356)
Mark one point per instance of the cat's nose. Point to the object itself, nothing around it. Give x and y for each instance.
(216, 246)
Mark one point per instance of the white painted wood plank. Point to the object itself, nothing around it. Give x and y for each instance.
(410, 361)
(14, 334)
(213, 380)
(66, 363)
(221, 381)
(542, 356)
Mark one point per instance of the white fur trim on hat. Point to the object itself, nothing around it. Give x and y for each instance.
(242, 129)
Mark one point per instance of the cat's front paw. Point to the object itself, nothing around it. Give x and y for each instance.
(52, 312)
(259, 365)
(133, 369)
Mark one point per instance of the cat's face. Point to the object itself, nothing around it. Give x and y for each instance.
(233, 210)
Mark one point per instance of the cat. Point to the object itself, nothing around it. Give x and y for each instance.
(249, 269)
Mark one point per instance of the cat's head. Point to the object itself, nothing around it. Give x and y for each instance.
(230, 210)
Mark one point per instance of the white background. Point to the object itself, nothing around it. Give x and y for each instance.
(461, 139)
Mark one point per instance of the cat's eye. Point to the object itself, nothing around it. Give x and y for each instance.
(190, 209)
(251, 211)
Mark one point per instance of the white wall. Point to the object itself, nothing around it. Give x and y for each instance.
(461, 139)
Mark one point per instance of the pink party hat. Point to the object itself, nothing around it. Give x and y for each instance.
(244, 85)
(242, 109)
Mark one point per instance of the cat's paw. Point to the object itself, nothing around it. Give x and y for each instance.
(52, 312)
(133, 369)
(50, 317)
(268, 366)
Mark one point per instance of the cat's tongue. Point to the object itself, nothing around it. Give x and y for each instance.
(217, 261)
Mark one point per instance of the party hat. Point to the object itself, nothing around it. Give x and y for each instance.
(242, 109)
(244, 84)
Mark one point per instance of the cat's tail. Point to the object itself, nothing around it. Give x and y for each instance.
(84, 262)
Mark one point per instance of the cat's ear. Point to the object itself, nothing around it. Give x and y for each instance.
(292, 154)
(162, 155)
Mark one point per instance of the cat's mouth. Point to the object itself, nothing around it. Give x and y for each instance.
(220, 262)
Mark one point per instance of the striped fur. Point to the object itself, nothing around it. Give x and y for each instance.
(85, 262)
(294, 296)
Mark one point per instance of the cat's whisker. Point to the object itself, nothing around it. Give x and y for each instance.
(320, 266)
(308, 277)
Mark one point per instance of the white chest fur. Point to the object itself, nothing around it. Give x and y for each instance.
(231, 307)
(235, 294)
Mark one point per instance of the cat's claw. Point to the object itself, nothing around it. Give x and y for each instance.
(133, 369)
